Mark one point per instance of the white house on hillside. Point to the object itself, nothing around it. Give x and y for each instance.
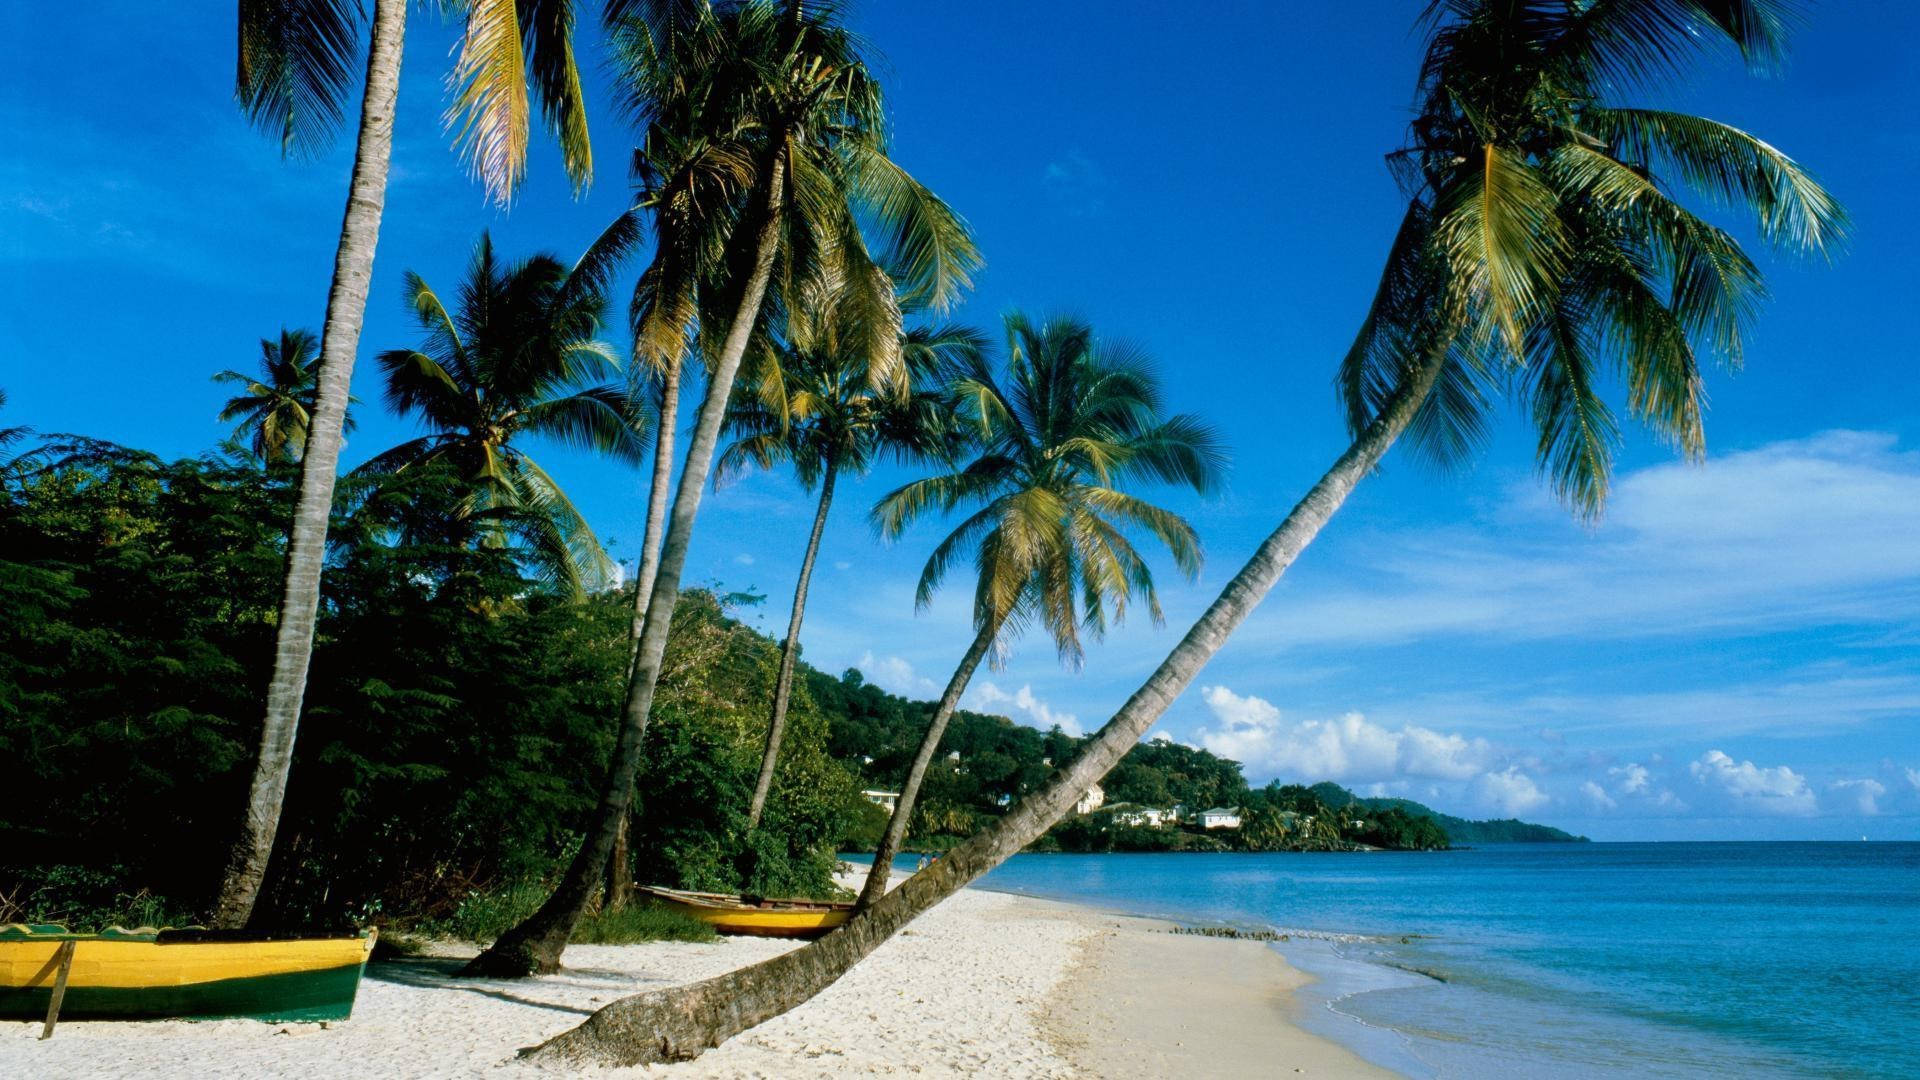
(886, 800)
(1220, 817)
(1148, 816)
(1091, 801)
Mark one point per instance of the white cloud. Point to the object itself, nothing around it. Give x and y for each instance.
(1597, 796)
(1252, 731)
(1913, 778)
(1858, 796)
(1632, 778)
(893, 674)
(1037, 712)
(842, 564)
(1509, 792)
(744, 559)
(1775, 790)
(1800, 533)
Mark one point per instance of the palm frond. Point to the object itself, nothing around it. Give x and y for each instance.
(489, 110)
(295, 71)
(547, 30)
(1733, 168)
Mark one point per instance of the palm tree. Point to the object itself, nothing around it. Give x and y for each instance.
(1541, 242)
(509, 363)
(275, 409)
(293, 78)
(1075, 419)
(782, 95)
(820, 411)
(10, 436)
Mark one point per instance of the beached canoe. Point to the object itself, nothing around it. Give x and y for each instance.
(755, 916)
(201, 974)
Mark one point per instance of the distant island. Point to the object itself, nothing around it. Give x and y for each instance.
(1163, 796)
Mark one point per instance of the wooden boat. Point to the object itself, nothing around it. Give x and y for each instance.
(755, 916)
(201, 974)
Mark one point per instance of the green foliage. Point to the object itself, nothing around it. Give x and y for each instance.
(702, 754)
(1061, 433)
(485, 915)
(509, 362)
(456, 716)
(86, 900)
(1458, 830)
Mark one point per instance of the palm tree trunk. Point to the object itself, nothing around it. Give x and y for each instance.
(682, 1023)
(663, 439)
(307, 543)
(789, 652)
(618, 890)
(536, 944)
(896, 834)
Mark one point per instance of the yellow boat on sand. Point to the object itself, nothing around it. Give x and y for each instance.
(193, 973)
(755, 916)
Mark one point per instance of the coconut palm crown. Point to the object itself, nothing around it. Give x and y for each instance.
(1544, 250)
(819, 409)
(275, 408)
(507, 363)
(1073, 420)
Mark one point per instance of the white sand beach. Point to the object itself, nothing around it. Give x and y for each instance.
(987, 984)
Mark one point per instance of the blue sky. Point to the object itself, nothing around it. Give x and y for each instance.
(1734, 652)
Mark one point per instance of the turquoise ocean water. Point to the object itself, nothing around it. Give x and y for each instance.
(1567, 960)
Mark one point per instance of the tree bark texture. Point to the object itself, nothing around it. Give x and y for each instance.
(307, 539)
(789, 653)
(663, 447)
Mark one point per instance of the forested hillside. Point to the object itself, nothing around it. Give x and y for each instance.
(1461, 830)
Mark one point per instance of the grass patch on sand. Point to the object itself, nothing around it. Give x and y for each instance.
(484, 916)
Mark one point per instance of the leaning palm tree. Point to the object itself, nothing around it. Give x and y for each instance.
(1074, 420)
(819, 411)
(1543, 244)
(782, 94)
(518, 357)
(275, 408)
(294, 77)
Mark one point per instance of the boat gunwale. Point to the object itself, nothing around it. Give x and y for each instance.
(729, 902)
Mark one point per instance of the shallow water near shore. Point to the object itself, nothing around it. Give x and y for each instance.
(1571, 960)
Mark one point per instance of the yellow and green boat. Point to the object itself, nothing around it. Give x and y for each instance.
(191, 973)
(755, 916)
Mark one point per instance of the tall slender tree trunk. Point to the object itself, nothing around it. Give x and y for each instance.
(789, 652)
(618, 890)
(682, 1023)
(896, 833)
(536, 944)
(663, 447)
(307, 541)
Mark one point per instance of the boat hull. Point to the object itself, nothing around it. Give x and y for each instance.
(137, 977)
(766, 918)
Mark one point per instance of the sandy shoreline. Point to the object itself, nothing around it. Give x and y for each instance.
(987, 984)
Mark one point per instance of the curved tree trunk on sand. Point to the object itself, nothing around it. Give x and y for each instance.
(682, 1023)
(536, 944)
(896, 833)
(789, 652)
(307, 540)
(618, 890)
